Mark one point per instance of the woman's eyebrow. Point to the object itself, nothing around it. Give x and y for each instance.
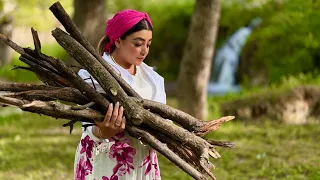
(141, 39)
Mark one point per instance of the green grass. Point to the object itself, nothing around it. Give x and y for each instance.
(35, 147)
(38, 147)
(264, 150)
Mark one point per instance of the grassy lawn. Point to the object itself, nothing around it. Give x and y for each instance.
(38, 147)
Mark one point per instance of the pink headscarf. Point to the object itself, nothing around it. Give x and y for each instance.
(121, 23)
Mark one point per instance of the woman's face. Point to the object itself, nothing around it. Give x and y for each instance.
(134, 48)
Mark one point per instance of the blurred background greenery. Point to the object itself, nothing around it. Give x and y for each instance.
(281, 54)
(285, 45)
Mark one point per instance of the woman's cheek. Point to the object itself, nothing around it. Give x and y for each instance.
(136, 50)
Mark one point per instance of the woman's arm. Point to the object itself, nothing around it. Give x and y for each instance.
(114, 122)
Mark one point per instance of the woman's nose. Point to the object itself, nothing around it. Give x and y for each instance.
(144, 50)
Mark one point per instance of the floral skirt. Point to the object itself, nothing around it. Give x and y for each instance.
(118, 158)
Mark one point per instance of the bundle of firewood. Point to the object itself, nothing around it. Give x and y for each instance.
(65, 95)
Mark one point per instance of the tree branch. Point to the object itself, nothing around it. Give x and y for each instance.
(187, 121)
(36, 40)
(53, 109)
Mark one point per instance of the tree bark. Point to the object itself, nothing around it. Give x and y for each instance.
(196, 62)
(89, 16)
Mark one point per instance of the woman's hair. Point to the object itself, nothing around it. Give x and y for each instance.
(141, 25)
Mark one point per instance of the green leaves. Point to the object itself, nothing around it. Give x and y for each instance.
(36, 13)
(287, 40)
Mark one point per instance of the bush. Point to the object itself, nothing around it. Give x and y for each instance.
(287, 43)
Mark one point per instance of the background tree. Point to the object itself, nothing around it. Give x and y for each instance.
(90, 18)
(197, 58)
(5, 29)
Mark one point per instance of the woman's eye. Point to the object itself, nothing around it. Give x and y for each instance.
(137, 45)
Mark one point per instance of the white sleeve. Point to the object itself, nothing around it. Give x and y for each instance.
(163, 92)
(85, 75)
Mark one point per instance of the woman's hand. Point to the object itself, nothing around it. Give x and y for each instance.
(113, 123)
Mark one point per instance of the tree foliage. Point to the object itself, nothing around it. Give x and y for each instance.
(288, 41)
(285, 44)
(35, 13)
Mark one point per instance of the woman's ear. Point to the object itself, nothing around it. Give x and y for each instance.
(117, 43)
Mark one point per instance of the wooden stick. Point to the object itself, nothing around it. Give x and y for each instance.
(53, 109)
(187, 121)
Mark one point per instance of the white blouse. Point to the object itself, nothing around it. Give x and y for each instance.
(142, 84)
(120, 157)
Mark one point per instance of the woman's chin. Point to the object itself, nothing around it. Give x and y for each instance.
(138, 63)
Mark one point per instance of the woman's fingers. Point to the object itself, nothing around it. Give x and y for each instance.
(123, 124)
(108, 115)
(119, 118)
(114, 114)
(114, 119)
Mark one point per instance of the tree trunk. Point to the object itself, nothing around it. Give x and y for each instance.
(89, 16)
(5, 29)
(196, 62)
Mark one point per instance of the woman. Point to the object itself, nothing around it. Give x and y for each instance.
(105, 151)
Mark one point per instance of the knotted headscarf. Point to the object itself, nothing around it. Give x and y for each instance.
(121, 23)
